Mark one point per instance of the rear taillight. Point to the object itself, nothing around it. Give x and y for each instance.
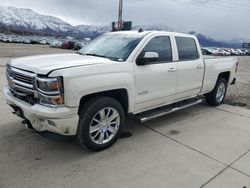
(237, 65)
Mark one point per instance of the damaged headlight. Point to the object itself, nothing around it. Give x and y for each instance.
(50, 91)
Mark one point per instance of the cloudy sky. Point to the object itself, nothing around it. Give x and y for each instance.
(222, 19)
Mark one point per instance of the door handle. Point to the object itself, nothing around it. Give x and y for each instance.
(172, 70)
(199, 67)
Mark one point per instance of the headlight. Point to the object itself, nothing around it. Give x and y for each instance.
(50, 91)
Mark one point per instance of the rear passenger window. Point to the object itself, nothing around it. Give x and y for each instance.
(162, 46)
(187, 48)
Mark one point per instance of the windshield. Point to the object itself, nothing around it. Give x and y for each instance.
(115, 47)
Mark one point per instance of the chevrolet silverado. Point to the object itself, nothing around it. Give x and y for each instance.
(89, 94)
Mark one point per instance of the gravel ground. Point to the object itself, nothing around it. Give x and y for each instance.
(239, 94)
(8, 51)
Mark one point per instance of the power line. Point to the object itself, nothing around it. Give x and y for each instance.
(237, 3)
(231, 5)
(220, 5)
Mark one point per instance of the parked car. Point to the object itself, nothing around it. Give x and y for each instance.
(79, 45)
(234, 52)
(241, 52)
(89, 95)
(246, 51)
(56, 44)
(224, 53)
(34, 41)
(6, 40)
(206, 51)
(16, 40)
(25, 41)
(215, 51)
(43, 41)
(68, 45)
(228, 50)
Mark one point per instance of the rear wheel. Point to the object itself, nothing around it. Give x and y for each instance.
(217, 96)
(100, 124)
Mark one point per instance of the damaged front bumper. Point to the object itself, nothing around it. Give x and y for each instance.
(61, 120)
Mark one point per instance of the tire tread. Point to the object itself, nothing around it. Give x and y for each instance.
(85, 112)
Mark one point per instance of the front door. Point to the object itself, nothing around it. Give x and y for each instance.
(156, 81)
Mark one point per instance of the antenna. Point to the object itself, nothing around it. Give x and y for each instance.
(140, 30)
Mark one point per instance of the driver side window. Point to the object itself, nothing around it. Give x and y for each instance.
(160, 45)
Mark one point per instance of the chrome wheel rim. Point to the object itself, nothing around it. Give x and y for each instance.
(104, 125)
(221, 92)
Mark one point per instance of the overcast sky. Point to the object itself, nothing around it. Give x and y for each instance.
(222, 19)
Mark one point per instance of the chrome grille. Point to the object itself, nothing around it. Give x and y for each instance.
(21, 83)
(20, 77)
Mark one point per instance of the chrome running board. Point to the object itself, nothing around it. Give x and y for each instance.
(158, 112)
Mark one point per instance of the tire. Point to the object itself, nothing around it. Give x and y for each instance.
(96, 128)
(217, 96)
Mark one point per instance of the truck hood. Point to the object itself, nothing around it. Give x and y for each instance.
(44, 64)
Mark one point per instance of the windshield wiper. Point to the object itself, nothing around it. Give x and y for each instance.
(103, 56)
(96, 55)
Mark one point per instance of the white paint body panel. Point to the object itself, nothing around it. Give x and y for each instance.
(148, 86)
(43, 64)
(213, 67)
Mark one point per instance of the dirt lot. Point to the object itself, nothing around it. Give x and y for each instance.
(201, 146)
(239, 94)
(8, 50)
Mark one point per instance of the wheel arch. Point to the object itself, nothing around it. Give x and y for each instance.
(225, 75)
(121, 95)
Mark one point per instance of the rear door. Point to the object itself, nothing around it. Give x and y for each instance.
(190, 67)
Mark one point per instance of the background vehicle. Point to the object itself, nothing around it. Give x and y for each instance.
(223, 52)
(234, 52)
(241, 52)
(56, 44)
(247, 51)
(79, 45)
(207, 51)
(145, 74)
(68, 44)
(228, 50)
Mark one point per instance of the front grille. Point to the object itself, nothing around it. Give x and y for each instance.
(20, 77)
(22, 84)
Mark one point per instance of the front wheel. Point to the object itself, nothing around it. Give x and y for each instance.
(100, 124)
(217, 96)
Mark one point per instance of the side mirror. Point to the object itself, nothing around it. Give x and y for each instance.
(147, 58)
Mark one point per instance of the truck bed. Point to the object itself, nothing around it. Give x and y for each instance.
(215, 65)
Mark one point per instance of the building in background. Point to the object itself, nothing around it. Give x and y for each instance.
(246, 45)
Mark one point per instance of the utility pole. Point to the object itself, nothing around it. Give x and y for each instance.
(120, 15)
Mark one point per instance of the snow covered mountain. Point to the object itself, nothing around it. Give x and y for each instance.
(93, 31)
(25, 21)
(206, 41)
(12, 18)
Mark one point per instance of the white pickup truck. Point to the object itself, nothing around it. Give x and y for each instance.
(90, 94)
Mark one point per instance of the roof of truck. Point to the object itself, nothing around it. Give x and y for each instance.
(143, 33)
